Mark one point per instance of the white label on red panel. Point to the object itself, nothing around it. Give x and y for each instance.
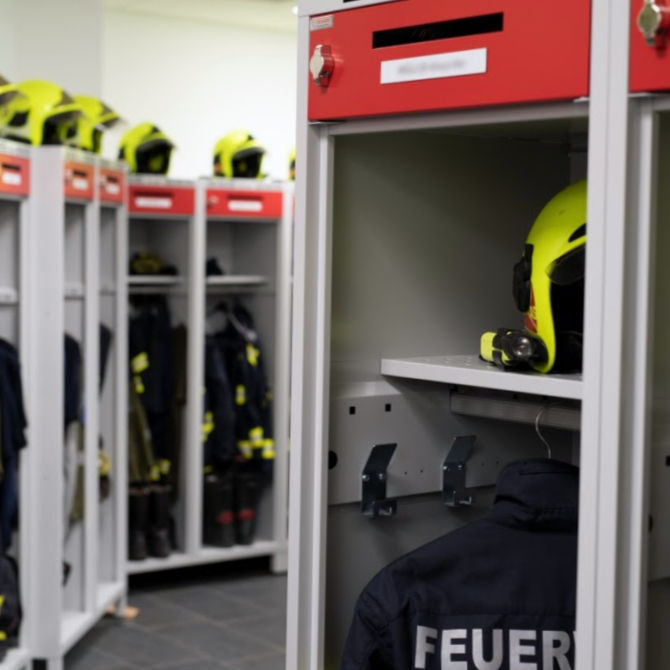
(155, 203)
(321, 22)
(453, 64)
(80, 184)
(112, 188)
(11, 178)
(245, 206)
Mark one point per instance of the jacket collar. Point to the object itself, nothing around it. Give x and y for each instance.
(537, 494)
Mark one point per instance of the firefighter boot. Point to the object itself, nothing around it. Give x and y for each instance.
(138, 517)
(158, 534)
(247, 493)
(218, 527)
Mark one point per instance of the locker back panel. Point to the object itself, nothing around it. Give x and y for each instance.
(427, 228)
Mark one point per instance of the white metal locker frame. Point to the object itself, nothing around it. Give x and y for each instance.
(114, 592)
(19, 658)
(194, 551)
(614, 468)
(53, 630)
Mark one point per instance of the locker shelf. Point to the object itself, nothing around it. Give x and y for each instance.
(154, 280)
(74, 291)
(74, 625)
(8, 295)
(470, 370)
(15, 659)
(203, 556)
(233, 281)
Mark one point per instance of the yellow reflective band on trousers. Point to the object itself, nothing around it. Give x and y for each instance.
(268, 453)
(240, 394)
(256, 437)
(139, 385)
(245, 448)
(140, 363)
(207, 425)
(160, 469)
(104, 464)
(252, 354)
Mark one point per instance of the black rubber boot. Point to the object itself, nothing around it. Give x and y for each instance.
(138, 517)
(247, 493)
(218, 517)
(158, 535)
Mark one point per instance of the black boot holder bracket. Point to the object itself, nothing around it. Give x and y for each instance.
(374, 502)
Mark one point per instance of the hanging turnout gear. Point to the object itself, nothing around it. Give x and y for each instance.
(11, 612)
(146, 149)
(44, 113)
(96, 117)
(497, 593)
(240, 345)
(238, 154)
(13, 424)
(548, 288)
(150, 348)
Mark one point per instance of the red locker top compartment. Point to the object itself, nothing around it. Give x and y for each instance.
(14, 175)
(163, 200)
(112, 185)
(650, 59)
(421, 55)
(244, 204)
(79, 180)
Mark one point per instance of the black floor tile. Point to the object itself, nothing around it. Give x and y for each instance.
(217, 620)
(218, 642)
(270, 662)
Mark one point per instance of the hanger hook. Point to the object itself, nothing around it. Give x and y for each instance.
(537, 429)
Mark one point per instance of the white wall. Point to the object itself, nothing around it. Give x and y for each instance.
(54, 40)
(196, 81)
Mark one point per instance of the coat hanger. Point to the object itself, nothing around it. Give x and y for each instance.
(537, 427)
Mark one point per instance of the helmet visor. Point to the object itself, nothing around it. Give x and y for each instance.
(569, 268)
(153, 157)
(61, 128)
(8, 96)
(247, 163)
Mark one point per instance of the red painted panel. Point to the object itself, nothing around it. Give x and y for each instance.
(541, 53)
(112, 185)
(14, 175)
(649, 65)
(165, 200)
(244, 204)
(79, 180)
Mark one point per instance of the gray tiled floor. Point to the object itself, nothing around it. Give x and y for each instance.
(229, 619)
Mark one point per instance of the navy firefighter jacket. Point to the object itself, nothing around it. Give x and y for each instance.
(497, 594)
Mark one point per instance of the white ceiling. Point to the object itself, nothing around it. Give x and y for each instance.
(263, 14)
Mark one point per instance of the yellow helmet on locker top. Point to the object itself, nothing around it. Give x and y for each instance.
(146, 149)
(549, 289)
(44, 113)
(96, 118)
(238, 154)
